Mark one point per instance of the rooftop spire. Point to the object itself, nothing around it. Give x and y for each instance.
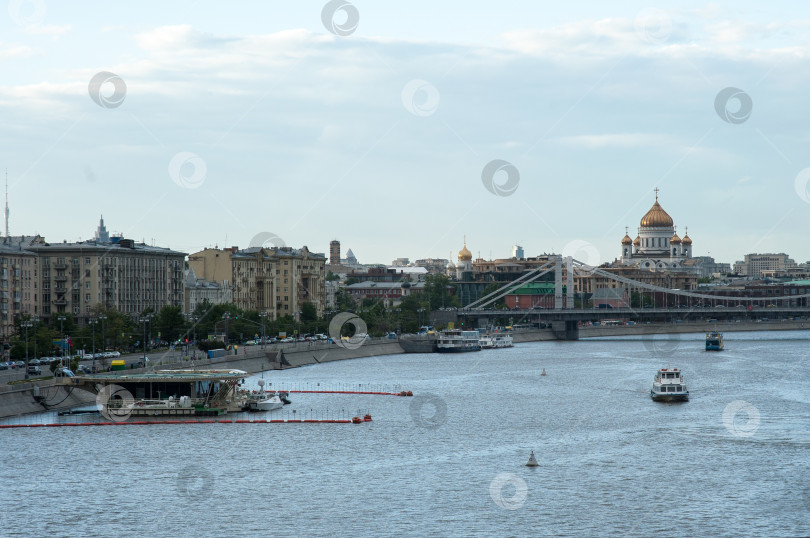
(7, 204)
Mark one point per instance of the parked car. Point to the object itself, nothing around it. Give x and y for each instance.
(3, 366)
(34, 362)
(34, 370)
(20, 364)
(63, 372)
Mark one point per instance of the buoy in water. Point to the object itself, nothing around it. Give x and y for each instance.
(543, 372)
(532, 461)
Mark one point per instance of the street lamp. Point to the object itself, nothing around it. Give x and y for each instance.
(263, 317)
(226, 316)
(101, 318)
(62, 333)
(145, 319)
(26, 325)
(92, 323)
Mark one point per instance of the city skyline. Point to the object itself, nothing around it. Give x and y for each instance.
(213, 130)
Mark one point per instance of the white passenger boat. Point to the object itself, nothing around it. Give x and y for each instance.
(493, 341)
(458, 341)
(669, 386)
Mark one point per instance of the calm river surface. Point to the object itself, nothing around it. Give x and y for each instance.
(734, 460)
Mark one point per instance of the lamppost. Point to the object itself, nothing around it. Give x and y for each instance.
(226, 316)
(26, 324)
(62, 333)
(35, 320)
(263, 317)
(92, 322)
(101, 318)
(297, 318)
(145, 319)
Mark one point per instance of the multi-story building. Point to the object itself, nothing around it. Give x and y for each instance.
(19, 293)
(754, 264)
(127, 276)
(54, 278)
(277, 281)
(198, 291)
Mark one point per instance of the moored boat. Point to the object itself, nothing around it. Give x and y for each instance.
(714, 341)
(669, 386)
(458, 341)
(494, 341)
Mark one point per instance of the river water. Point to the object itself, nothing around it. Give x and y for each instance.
(734, 460)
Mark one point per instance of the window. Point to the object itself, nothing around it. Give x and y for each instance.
(87, 297)
(87, 261)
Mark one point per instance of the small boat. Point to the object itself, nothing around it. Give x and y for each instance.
(264, 402)
(714, 341)
(494, 341)
(458, 341)
(669, 386)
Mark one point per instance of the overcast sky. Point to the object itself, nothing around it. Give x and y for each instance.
(216, 123)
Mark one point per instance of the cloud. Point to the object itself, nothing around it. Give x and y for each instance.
(49, 30)
(620, 140)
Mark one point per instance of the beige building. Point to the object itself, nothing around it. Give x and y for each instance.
(273, 280)
(18, 286)
(127, 276)
(755, 265)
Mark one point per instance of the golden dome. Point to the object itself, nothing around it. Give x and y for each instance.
(686, 240)
(637, 241)
(675, 239)
(656, 217)
(626, 240)
(464, 255)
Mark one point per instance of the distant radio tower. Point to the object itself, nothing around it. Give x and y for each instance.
(7, 203)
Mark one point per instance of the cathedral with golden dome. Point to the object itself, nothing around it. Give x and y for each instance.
(464, 264)
(657, 246)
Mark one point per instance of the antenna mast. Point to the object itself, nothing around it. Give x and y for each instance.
(7, 203)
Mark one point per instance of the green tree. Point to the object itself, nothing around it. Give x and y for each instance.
(169, 323)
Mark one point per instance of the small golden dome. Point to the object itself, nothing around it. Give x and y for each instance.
(686, 240)
(675, 239)
(656, 217)
(637, 241)
(464, 255)
(626, 240)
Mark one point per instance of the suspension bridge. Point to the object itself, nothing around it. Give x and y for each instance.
(670, 305)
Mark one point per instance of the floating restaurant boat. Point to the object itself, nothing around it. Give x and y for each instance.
(166, 392)
(494, 341)
(669, 386)
(458, 341)
(714, 341)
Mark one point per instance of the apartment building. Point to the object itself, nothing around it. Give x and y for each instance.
(277, 281)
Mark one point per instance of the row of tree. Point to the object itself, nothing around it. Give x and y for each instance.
(115, 330)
